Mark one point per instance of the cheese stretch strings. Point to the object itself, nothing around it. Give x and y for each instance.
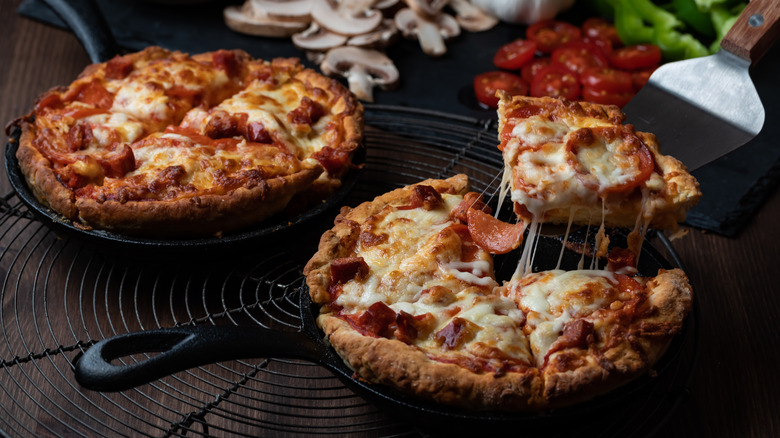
(530, 246)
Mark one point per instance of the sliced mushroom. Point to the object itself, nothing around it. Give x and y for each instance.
(286, 10)
(472, 18)
(427, 8)
(346, 18)
(432, 33)
(363, 68)
(385, 5)
(246, 19)
(318, 39)
(379, 38)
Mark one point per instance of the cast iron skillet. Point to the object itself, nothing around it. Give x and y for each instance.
(180, 348)
(89, 26)
(231, 243)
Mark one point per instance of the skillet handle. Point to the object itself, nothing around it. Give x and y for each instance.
(181, 348)
(90, 27)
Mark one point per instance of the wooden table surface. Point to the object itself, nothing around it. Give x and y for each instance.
(735, 389)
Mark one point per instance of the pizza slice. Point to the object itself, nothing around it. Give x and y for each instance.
(576, 162)
(592, 330)
(407, 300)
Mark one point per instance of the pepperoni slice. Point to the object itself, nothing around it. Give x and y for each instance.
(92, 93)
(344, 269)
(597, 169)
(493, 235)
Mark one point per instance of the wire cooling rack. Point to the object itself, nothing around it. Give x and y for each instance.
(60, 296)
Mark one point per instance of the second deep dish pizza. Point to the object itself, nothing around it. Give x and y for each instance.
(409, 299)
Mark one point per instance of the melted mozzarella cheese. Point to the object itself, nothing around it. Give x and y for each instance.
(142, 102)
(537, 130)
(143, 93)
(553, 298)
(270, 106)
(105, 126)
(406, 260)
(603, 161)
(420, 253)
(549, 180)
(202, 163)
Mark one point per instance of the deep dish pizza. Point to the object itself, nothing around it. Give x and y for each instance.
(160, 143)
(409, 299)
(407, 288)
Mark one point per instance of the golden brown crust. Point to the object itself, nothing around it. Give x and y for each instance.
(391, 362)
(65, 164)
(40, 178)
(198, 215)
(624, 345)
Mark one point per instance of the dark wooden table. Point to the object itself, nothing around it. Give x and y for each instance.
(735, 388)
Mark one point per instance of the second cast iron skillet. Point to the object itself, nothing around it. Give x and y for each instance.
(180, 348)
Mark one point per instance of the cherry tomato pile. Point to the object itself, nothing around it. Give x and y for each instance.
(560, 59)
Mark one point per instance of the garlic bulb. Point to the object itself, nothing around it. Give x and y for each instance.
(523, 11)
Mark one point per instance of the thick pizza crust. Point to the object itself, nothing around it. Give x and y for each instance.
(198, 215)
(569, 376)
(40, 177)
(201, 213)
(391, 362)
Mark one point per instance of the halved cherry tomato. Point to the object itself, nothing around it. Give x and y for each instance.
(605, 97)
(604, 45)
(607, 79)
(493, 235)
(556, 81)
(637, 57)
(486, 85)
(529, 70)
(551, 34)
(578, 56)
(515, 55)
(596, 27)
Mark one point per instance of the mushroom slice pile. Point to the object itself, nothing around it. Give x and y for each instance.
(346, 37)
(363, 68)
(272, 18)
(357, 24)
(350, 18)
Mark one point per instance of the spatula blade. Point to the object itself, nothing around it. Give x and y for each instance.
(700, 109)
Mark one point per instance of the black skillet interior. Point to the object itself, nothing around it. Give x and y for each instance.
(228, 244)
(182, 348)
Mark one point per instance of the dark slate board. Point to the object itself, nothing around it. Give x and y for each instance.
(733, 186)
